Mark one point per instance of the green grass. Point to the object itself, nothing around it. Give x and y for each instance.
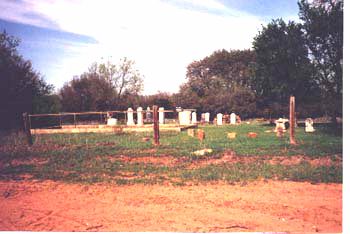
(91, 158)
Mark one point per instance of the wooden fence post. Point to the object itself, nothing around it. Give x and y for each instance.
(27, 128)
(155, 125)
(292, 120)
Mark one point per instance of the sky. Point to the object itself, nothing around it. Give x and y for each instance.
(63, 38)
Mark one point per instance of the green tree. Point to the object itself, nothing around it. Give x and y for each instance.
(214, 82)
(20, 84)
(88, 92)
(282, 65)
(50, 103)
(323, 25)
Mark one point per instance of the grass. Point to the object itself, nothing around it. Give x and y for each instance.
(91, 157)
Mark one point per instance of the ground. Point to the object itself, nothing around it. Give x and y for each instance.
(119, 182)
(253, 206)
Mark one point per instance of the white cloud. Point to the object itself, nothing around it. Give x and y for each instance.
(162, 38)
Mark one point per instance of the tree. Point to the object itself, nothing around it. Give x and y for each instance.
(20, 85)
(282, 65)
(323, 26)
(124, 78)
(214, 82)
(104, 86)
(50, 103)
(88, 92)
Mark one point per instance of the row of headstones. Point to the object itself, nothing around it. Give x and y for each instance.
(186, 117)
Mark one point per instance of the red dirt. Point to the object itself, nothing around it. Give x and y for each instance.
(256, 206)
(230, 157)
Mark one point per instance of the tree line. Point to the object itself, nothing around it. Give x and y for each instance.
(287, 58)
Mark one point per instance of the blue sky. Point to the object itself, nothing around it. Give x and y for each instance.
(63, 37)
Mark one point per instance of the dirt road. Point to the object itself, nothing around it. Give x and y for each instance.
(255, 206)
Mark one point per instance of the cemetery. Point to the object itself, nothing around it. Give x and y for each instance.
(229, 155)
(172, 116)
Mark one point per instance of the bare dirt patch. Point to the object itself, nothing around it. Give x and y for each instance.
(257, 206)
(159, 160)
(231, 157)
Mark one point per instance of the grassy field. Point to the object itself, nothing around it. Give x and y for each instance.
(90, 158)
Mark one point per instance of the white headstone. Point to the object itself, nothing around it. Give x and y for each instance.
(202, 117)
(111, 121)
(130, 117)
(139, 116)
(309, 125)
(207, 117)
(233, 118)
(161, 115)
(185, 117)
(194, 118)
(219, 119)
(148, 114)
(280, 123)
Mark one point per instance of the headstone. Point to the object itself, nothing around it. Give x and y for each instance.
(252, 134)
(139, 116)
(161, 115)
(194, 118)
(200, 134)
(238, 119)
(190, 132)
(185, 117)
(148, 115)
(219, 119)
(231, 135)
(309, 125)
(207, 117)
(280, 123)
(203, 118)
(111, 121)
(130, 117)
(232, 118)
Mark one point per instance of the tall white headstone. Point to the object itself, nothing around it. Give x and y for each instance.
(207, 117)
(185, 117)
(161, 115)
(219, 119)
(232, 118)
(130, 117)
(148, 114)
(194, 118)
(139, 116)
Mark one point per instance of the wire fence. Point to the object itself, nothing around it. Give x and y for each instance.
(94, 118)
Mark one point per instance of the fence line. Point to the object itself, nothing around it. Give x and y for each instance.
(103, 115)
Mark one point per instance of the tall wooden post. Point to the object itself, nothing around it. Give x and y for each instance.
(27, 128)
(155, 125)
(292, 120)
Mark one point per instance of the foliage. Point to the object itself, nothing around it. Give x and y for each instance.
(282, 65)
(47, 104)
(216, 83)
(161, 99)
(20, 85)
(104, 86)
(86, 93)
(323, 26)
(123, 77)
